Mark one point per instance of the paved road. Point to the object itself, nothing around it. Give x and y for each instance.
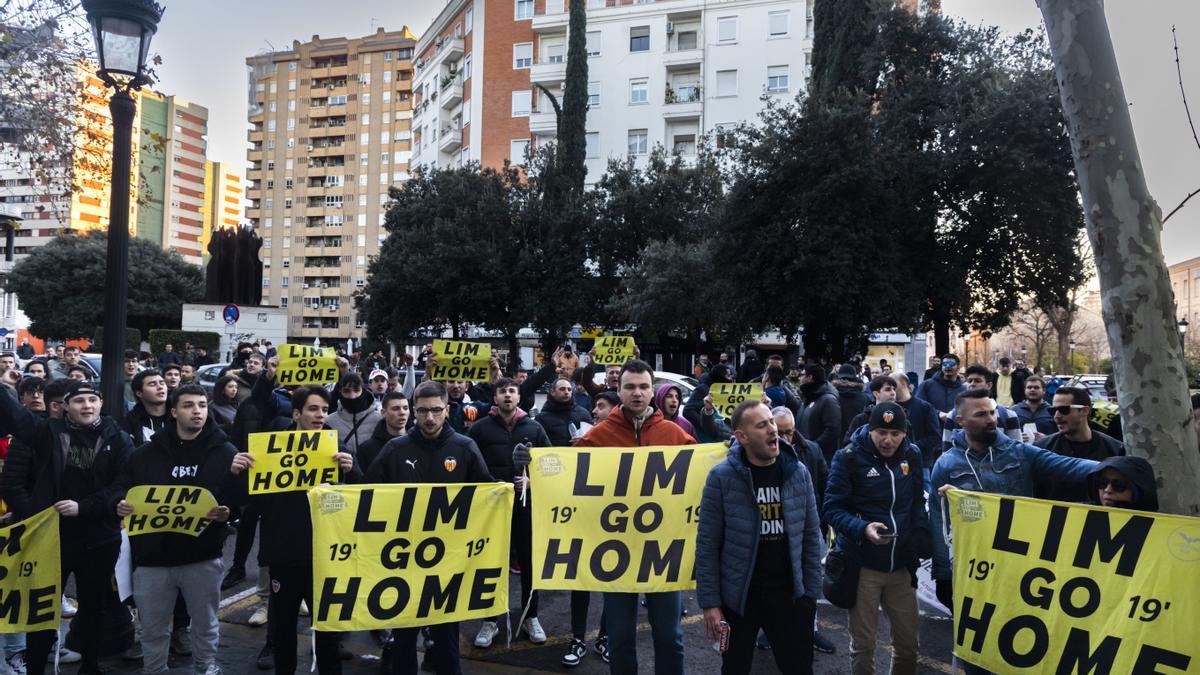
(240, 643)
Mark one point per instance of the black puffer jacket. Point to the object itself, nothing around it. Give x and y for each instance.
(370, 448)
(141, 425)
(556, 418)
(852, 399)
(412, 458)
(167, 460)
(33, 481)
(496, 441)
(820, 418)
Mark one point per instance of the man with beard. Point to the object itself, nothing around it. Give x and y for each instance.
(983, 460)
(1075, 438)
(560, 417)
(1034, 410)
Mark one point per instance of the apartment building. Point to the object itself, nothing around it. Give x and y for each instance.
(331, 132)
(659, 73)
(224, 192)
(172, 161)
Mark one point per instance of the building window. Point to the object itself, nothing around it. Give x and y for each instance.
(554, 52)
(593, 94)
(591, 145)
(687, 40)
(593, 43)
(639, 39)
(685, 144)
(639, 91)
(366, 99)
(725, 134)
(777, 79)
(524, 9)
(777, 24)
(638, 141)
(727, 29)
(466, 68)
(517, 149)
(522, 101)
(726, 83)
(283, 281)
(469, 19)
(522, 55)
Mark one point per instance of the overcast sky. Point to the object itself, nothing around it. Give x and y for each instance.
(204, 46)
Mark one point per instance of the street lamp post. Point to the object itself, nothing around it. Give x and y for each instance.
(122, 29)
(1071, 368)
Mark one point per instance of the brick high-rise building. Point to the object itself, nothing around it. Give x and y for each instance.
(330, 133)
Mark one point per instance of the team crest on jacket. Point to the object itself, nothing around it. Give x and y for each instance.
(904, 467)
(888, 416)
(450, 463)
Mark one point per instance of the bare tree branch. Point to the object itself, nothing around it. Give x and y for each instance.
(1186, 109)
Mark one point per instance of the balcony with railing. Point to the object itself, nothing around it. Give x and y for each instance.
(553, 18)
(549, 70)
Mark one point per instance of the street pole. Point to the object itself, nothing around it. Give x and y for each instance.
(116, 276)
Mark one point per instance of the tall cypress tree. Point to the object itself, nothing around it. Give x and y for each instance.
(572, 120)
(843, 31)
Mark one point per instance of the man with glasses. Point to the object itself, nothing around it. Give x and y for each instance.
(940, 390)
(1075, 438)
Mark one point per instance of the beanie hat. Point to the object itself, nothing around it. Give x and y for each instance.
(888, 415)
(79, 387)
(847, 372)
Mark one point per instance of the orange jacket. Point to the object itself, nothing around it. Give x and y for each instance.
(618, 432)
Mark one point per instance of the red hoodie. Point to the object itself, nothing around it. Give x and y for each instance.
(617, 432)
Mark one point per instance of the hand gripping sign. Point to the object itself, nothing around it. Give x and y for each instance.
(613, 350)
(1048, 587)
(396, 556)
(30, 582)
(618, 519)
(168, 508)
(300, 364)
(727, 395)
(461, 361)
(292, 461)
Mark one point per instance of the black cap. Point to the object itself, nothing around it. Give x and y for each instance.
(79, 387)
(888, 415)
(847, 371)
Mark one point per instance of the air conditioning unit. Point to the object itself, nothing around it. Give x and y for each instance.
(439, 42)
(670, 28)
(453, 68)
(306, 285)
(324, 285)
(311, 148)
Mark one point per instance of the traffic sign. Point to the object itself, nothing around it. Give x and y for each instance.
(231, 313)
(4, 332)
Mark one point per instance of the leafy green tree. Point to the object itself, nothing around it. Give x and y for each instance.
(842, 33)
(572, 121)
(60, 286)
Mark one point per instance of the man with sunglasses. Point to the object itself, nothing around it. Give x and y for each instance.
(940, 390)
(1075, 438)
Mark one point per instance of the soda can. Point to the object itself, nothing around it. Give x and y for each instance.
(722, 643)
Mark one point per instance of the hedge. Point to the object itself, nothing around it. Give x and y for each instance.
(199, 338)
(133, 339)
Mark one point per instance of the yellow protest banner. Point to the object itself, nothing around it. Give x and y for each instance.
(292, 461)
(302, 364)
(397, 556)
(459, 361)
(168, 508)
(1049, 587)
(618, 519)
(30, 582)
(613, 350)
(728, 395)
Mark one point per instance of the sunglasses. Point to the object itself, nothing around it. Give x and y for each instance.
(1065, 409)
(949, 364)
(1117, 484)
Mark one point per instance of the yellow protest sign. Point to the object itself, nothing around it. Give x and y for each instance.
(30, 582)
(168, 508)
(728, 395)
(396, 556)
(459, 361)
(618, 519)
(1048, 587)
(292, 461)
(613, 350)
(302, 364)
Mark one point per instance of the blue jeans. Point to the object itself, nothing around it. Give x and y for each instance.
(620, 620)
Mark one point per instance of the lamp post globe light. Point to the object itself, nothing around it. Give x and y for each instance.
(1183, 326)
(122, 30)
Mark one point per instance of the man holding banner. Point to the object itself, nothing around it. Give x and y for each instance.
(185, 461)
(758, 549)
(76, 461)
(635, 424)
(285, 535)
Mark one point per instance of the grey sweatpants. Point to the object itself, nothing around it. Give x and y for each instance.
(154, 591)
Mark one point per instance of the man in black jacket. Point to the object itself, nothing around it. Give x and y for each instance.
(149, 416)
(73, 469)
(820, 421)
(1075, 438)
(505, 426)
(191, 452)
(695, 408)
(394, 424)
(431, 452)
(560, 414)
(285, 535)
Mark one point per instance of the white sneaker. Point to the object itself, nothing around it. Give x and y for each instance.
(16, 663)
(68, 656)
(303, 608)
(259, 617)
(533, 628)
(212, 669)
(487, 633)
(69, 608)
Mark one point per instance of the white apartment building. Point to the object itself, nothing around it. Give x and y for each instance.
(668, 73)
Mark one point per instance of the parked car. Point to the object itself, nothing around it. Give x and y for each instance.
(1093, 383)
(207, 376)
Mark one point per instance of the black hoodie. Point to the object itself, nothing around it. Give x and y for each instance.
(141, 425)
(369, 449)
(1138, 472)
(167, 460)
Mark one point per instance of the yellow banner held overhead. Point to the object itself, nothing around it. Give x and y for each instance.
(302, 364)
(459, 361)
(618, 519)
(397, 556)
(1046, 587)
(728, 395)
(168, 508)
(292, 461)
(613, 350)
(30, 581)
